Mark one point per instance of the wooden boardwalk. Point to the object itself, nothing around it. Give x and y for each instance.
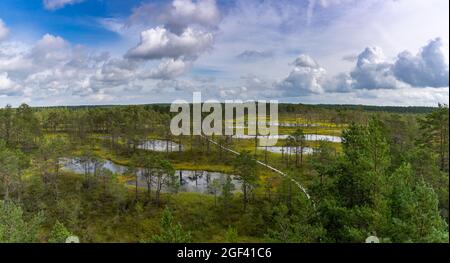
(301, 187)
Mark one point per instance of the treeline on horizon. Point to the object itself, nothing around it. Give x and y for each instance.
(282, 107)
(336, 114)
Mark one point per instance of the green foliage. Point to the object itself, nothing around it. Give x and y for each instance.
(59, 233)
(295, 225)
(367, 198)
(390, 180)
(231, 236)
(12, 164)
(414, 206)
(14, 227)
(435, 134)
(214, 188)
(226, 197)
(19, 127)
(298, 140)
(171, 232)
(246, 167)
(363, 167)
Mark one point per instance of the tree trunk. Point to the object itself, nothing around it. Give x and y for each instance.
(245, 196)
(136, 188)
(265, 155)
(158, 200)
(301, 156)
(289, 196)
(149, 189)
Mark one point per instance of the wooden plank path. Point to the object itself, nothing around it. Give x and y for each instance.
(303, 189)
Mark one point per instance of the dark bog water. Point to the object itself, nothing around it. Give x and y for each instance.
(190, 181)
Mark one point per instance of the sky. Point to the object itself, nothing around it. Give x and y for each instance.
(86, 52)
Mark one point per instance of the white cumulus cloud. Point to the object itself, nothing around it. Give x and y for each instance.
(426, 69)
(158, 43)
(7, 86)
(306, 78)
(179, 14)
(168, 69)
(372, 71)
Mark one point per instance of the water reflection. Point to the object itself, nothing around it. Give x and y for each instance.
(287, 150)
(279, 124)
(161, 146)
(190, 181)
(308, 137)
(156, 145)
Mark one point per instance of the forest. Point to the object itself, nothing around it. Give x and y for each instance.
(117, 174)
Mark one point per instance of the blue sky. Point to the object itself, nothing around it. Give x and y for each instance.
(71, 52)
(75, 23)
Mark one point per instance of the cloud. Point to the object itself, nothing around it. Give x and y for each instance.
(52, 67)
(242, 31)
(185, 12)
(182, 33)
(252, 55)
(304, 79)
(158, 43)
(404, 96)
(372, 71)
(42, 65)
(179, 14)
(7, 86)
(113, 24)
(14, 63)
(169, 69)
(116, 71)
(313, 4)
(329, 3)
(57, 4)
(305, 61)
(341, 83)
(50, 50)
(350, 58)
(233, 93)
(426, 69)
(4, 31)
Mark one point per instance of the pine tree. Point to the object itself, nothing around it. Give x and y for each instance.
(171, 232)
(13, 226)
(59, 233)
